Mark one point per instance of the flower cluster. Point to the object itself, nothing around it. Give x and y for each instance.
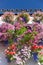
(38, 16)
(6, 31)
(23, 55)
(10, 52)
(8, 17)
(19, 53)
(23, 17)
(36, 48)
(37, 27)
(29, 37)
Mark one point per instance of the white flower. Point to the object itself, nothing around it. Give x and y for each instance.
(39, 63)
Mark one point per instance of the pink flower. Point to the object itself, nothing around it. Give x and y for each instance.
(28, 31)
(11, 27)
(0, 34)
(17, 28)
(6, 26)
(21, 18)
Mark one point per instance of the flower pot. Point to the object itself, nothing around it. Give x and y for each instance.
(35, 57)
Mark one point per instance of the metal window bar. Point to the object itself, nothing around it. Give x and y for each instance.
(17, 11)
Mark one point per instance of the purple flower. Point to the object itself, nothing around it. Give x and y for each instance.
(5, 26)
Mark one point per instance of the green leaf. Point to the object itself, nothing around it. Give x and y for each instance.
(10, 41)
(21, 31)
(11, 31)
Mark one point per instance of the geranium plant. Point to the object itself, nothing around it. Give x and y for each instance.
(10, 52)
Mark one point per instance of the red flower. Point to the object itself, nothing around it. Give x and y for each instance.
(41, 47)
(6, 51)
(13, 46)
(34, 47)
(12, 53)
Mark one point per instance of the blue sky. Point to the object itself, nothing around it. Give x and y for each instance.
(21, 4)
